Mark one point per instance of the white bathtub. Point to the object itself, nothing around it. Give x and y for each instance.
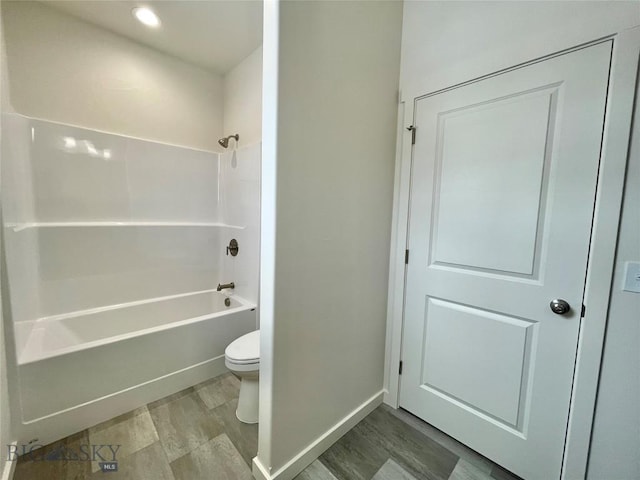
(79, 369)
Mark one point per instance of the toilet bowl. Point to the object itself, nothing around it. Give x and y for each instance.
(242, 358)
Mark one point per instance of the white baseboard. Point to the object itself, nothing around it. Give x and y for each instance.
(389, 399)
(301, 461)
(8, 468)
(260, 472)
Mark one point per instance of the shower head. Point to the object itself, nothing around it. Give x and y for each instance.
(224, 142)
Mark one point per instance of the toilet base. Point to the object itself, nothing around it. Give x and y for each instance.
(247, 411)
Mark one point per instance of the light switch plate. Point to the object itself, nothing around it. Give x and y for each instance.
(632, 277)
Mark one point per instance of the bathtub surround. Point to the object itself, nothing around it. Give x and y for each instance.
(92, 224)
(329, 125)
(239, 205)
(115, 246)
(63, 205)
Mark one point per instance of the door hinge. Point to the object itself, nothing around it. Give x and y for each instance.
(583, 311)
(406, 257)
(400, 368)
(412, 129)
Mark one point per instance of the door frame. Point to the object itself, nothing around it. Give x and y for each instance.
(607, 210)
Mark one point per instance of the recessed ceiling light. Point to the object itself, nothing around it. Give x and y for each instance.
(147, 16)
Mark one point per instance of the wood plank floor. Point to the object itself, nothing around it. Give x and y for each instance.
(392, 444)
(194, 435)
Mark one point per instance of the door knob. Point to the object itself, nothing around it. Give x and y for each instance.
(559, 306)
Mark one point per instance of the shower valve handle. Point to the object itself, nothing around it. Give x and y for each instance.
(233, 247)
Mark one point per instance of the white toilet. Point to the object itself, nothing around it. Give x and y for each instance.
(242, 357)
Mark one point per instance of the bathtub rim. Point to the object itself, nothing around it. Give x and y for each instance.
(25, 357)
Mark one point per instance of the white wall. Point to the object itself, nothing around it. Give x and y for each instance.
(449, 42)
(323, 341)
(67, 70)
(615, 447)
(446, 41)
(243, 99)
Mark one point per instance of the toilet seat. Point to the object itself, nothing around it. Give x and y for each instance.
(244, 350)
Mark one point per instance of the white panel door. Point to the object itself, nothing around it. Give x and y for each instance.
(502, 189)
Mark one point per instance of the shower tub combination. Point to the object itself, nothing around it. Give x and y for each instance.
(114, 246)
(82, 368)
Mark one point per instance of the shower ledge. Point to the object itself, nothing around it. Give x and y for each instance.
(17, 227)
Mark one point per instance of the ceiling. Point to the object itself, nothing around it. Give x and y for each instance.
(213, 34)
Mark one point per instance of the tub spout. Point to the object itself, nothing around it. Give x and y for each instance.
(222, 286)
